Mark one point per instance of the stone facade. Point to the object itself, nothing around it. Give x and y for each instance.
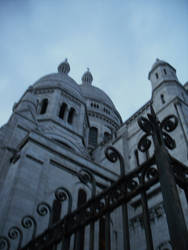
(59, 128)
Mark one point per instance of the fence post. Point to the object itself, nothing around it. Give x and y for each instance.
(172, 206)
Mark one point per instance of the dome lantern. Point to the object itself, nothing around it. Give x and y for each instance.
(64, 67)
(87, 77)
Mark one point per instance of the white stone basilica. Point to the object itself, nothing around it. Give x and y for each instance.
(59, 128)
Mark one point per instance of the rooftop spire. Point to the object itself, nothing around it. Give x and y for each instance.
(87, 77)
(64, 67)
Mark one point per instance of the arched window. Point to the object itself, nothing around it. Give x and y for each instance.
(79, 237)
(162, 99)
(44, 106)
(71, 115)
(62, 110)
(93, 133)
(107, 136)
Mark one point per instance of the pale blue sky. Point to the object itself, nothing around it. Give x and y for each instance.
(118, 40)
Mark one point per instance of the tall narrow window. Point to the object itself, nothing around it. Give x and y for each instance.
(71, 115)
(162, 99)
(93, 133)
(157, 76)
(62, 110)
(165, 71)
(79, 237)
(44, 106)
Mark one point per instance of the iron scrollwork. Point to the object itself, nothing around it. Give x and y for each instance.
(149, 173)
(84, 176)
(15, 233)
(132, 184)
(4, 243)
(27, 222)
(62, 194)
(43, 209)
(151, 124)
(113, 156)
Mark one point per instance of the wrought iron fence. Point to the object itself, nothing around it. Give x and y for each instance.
(160, 168)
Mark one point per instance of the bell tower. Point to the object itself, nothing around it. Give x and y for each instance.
(165, 84)
(160, 72)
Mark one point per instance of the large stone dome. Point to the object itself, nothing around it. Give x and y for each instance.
(94, 93)
(95, 96)
(60, 80)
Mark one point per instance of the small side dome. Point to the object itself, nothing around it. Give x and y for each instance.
(64, 67)
(87, 77)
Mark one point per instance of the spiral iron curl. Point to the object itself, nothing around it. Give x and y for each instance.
(15, 233)
(43, 209)
(27, 222)
(4, 243)
(149, 174)
(113, 155)
(61, 194)
(132, 184)
(84, 176)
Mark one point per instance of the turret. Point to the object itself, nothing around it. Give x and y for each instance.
(165, 84)
(160, 72)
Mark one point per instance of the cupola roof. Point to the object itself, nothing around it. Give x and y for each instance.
(87, 77)
(93, 93)
(60, 80)
(158, 63)
(64, 67)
